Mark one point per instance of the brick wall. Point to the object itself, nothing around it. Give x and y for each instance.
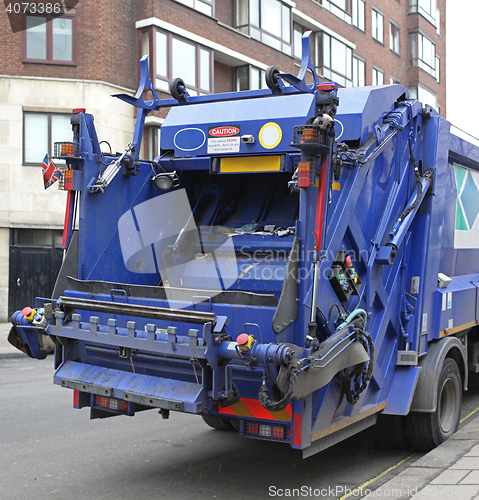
(107, 41)
(104, 48)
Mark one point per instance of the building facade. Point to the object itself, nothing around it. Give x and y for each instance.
(51, 64)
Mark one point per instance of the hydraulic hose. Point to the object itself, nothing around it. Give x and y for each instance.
(350, 318)
(282, 403)
(419, 186)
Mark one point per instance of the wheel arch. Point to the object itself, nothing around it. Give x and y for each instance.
(425, 396)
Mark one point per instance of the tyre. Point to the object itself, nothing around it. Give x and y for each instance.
(390, 432)
(271, 78)
(428, 430)
(220, 424)
(176, 89)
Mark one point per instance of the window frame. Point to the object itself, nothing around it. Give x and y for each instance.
(374, 35)
(49, 134)
(343, 14)
(320, 65)
(247, 28)
(419, 62)
(391, 38)
(356, 14)
(154, 75)
(358, 59)
(49, 41)
(208, 2)
(394, 80)
(414, 90)
(251, 69)
(301, 29)
(16, 233)
(415, 8)
(378, 70)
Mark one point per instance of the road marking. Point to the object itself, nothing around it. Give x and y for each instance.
(374, 479)
(470, 415)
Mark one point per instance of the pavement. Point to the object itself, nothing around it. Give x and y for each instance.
(449, 471)
(6, 349)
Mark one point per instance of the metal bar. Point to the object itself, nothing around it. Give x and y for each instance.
(158, 313)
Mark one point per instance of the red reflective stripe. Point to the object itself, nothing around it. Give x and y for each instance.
(258, 411)
(318, 233)
(251, 408)
(297, 430)
(226, 410)
(66, 225)
(76, 399)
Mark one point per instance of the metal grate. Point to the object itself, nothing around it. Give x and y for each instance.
(66, 149)
(308, 135)
(307, 170)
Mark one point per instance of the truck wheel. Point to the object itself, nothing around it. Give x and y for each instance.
(221, 424)
(428, 430)
(390, 432)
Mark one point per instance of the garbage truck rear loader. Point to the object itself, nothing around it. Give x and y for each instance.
(299, 263)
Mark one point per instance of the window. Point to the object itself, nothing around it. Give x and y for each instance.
(358, 14)
(334, 60)
(423, 53)
(268, 21)
(438, 61)
(40, 131)
(377, 26)
(204, 6)
(359, 67)
(427, 9)
(250, 78)
(394, 80)
(339, 8)
(424, 95)
(394, 37)
(152, 143)
(37, 237)
(378, 76)
(48, 39)
(297, 40)
(175, 57)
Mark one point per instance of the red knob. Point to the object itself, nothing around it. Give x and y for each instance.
(26, 311)
(242, 339)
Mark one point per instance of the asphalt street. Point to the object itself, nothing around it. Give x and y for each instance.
(52, 451)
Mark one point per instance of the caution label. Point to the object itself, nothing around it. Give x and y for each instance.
(224, 139)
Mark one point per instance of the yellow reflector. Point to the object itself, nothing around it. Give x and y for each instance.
(250, 164)
(336, 186)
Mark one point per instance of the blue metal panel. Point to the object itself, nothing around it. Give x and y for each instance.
(403, 387)
(457, 303)
(249, 117)
(185, 394)
(361, 108)
(435, 206)
(463, 152)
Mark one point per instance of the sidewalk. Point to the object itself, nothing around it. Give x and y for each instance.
(449, 471)
(6, 349)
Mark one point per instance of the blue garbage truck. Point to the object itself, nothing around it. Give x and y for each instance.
(298, 264)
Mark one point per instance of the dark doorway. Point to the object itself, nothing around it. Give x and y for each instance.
(35, 259)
